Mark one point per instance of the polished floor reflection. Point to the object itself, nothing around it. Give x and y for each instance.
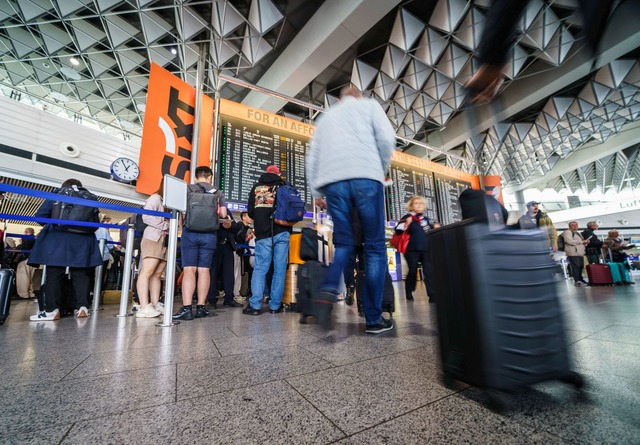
(237, 379)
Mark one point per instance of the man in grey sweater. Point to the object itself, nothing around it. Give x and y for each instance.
(349, 156)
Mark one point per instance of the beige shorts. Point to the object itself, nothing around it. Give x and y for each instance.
(153, 249)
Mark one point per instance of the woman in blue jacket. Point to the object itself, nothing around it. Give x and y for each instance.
(417, 224)
(58, 249)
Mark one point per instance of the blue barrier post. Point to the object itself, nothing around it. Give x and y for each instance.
(97, 287)
(126, 277)
(170, 273)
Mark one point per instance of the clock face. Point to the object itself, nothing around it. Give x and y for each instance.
(125, 170)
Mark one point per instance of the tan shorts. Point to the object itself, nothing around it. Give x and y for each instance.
(153, 249)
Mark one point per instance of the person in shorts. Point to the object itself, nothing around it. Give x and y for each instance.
(197, 255)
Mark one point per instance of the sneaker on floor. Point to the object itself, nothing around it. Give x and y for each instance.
(249, 310)
(202, 312)
(46, 316)
(159, 307)
(83, 312)
(277, 310)
(580, 284)
(149, 311)
(184, 314)
(378, 328)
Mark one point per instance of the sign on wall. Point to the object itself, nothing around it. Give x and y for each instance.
(167, 136)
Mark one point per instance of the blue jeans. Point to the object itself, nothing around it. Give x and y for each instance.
(264, 253)
(366, 196)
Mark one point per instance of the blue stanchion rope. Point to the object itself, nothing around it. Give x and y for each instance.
(66, 222)
(79, 201)
(20, 235)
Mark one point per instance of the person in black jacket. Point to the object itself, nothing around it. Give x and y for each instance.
(59, 249)
(418, 225)
(223, 262)
(272, 243)
(594, 248)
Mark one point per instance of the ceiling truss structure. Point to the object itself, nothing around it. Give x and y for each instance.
(605, 105)
(414, 62)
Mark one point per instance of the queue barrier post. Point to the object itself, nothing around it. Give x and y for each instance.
(126, 279)
(97, 287)
(170, 273)
(41, 304)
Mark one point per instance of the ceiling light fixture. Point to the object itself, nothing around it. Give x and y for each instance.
(74, 61)
(174, 51)
(46, 64)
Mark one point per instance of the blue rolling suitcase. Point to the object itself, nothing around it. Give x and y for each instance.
(620, 273)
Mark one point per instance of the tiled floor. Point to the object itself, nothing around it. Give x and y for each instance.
(236, 379)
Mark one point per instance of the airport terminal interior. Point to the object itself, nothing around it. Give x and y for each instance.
(81, 94)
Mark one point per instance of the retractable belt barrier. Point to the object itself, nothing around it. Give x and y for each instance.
(246, 246)
(126, 281)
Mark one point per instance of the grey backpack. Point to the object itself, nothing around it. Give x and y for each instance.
(202, 209)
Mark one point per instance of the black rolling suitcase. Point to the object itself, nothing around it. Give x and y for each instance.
(388, 293)
(499, 317)
(310, 301)
(7, 283)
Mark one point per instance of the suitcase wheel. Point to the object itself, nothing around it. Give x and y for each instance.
(448, 381)
(498, 401)
(574, 379)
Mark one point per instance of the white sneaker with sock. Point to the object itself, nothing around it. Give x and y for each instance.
(83, 312)
(46, 316)
(149, 311)
(159, 307)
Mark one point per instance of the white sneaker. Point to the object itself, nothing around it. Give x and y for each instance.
(83, 312)
(159, 307)
(46, 316)
(149, 311)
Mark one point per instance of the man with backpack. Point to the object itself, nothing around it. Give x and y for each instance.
(205, 207)
(272, 241)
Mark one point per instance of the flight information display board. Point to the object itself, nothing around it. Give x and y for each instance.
(448, 190)
(407, 182)
(250, 141)
(438, 184)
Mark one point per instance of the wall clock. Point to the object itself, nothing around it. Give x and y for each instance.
(124, 170)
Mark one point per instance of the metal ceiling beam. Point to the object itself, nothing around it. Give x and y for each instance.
(630, 135)
(621, 37)
(316, 46)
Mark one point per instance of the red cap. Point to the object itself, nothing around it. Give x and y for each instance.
(273, 169)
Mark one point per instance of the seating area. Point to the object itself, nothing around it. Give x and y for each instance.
(235, 379)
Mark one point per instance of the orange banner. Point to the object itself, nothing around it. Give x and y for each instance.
(167, 134)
